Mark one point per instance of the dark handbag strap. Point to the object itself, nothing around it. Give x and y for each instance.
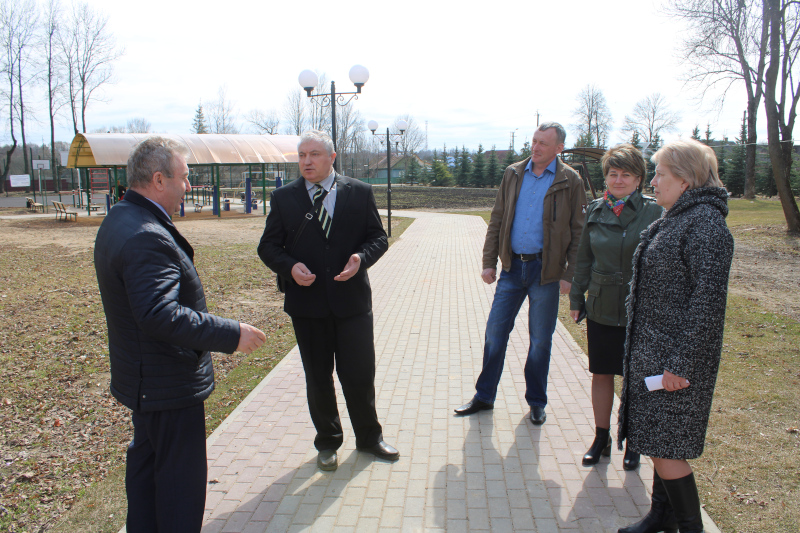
(306, 218)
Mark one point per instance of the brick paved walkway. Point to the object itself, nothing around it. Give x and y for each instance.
(493, 471)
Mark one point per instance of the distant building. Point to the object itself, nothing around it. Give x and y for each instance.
(377, 167)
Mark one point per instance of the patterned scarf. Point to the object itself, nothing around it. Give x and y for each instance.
(615, 205)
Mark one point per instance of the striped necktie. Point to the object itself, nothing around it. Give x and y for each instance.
(324, 217)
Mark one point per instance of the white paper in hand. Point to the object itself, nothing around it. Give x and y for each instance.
(654, 382)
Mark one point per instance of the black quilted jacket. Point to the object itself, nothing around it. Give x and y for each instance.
(159, 329)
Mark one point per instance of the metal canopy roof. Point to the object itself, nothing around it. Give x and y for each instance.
(113, 149)
(592, 153)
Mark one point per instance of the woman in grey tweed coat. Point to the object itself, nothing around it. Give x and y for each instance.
(677, 313)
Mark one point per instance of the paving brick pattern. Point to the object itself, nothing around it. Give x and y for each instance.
(494, 471)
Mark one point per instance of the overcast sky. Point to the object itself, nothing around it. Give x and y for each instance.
(474, 71)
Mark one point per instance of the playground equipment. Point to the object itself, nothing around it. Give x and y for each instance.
(264, 156)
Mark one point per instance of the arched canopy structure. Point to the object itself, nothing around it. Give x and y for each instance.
(102, 159)
(90, 150)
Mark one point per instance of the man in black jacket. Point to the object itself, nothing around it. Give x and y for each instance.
(328, 296)
(160, 335)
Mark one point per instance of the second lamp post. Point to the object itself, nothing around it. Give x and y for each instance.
(308, 80)
(387, 137)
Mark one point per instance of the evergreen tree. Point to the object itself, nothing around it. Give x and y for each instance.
(464, 175)
(636, 141)
(441, 175)
(765, 181)
(651, 168)
(199, 122)
(734, 179)
(413, 173)
(722, 161)
(526, 151)
(479, 168)
(584, 141)
(493, 171)
(510, 159)
(696, 133)
(707, 140)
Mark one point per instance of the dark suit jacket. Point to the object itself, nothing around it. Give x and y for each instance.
(159, 329)
(356, 229)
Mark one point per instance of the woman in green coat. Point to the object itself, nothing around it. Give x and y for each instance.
(603, 270)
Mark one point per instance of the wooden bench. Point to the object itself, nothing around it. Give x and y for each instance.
(33, 206)
(61, 210)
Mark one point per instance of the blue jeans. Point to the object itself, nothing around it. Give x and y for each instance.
(512, 288)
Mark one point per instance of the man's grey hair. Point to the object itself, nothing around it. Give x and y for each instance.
(154, 154)
(318, 136)
(561, 133)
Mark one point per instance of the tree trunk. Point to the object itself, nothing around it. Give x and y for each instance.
(750, 151)
(780, 153)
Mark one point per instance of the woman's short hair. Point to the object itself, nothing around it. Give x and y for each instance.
(318, 136)
(154, 154)
(692, 161)
(625, 157)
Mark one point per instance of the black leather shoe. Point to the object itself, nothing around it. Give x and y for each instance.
(327, 460)
(473, 406)
(382, 451)
(537, 415)
(600, 446)
(631, 460)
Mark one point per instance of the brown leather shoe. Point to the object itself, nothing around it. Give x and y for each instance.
(473, 406)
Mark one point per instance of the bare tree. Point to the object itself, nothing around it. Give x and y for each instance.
(222, 113)
(413, 138)
(138, 125)
(25, 34)
(784, 43)
(318, 117)
(593, 116)
(14, 39)
(88, 50)
(294, 110)
(727, 43)
(650, 118)
(53, 74)
(263, 122)
(349, 128)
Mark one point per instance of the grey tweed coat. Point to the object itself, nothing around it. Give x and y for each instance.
(677, 313)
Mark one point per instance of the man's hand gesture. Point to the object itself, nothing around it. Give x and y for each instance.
(250, 338)
(350, 269)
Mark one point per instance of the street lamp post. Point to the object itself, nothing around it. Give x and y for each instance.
(308, 81)
(402, 125)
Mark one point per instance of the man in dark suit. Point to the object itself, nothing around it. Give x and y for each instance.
(160, 335)
(328, 294)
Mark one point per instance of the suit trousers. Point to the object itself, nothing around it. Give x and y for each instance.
(348, 344)
(165, 478)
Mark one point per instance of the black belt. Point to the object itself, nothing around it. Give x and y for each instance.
(528, 257)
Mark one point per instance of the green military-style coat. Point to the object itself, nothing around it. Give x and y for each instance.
(603, 267)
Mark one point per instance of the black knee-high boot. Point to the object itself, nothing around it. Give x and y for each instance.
(600, 446)
(660, 518)
(685, 501)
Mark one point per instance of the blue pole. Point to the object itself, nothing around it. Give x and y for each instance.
(248, 195)
(183, 213)
(216, 201)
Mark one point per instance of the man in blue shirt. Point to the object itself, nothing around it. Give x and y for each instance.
(534, 229)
